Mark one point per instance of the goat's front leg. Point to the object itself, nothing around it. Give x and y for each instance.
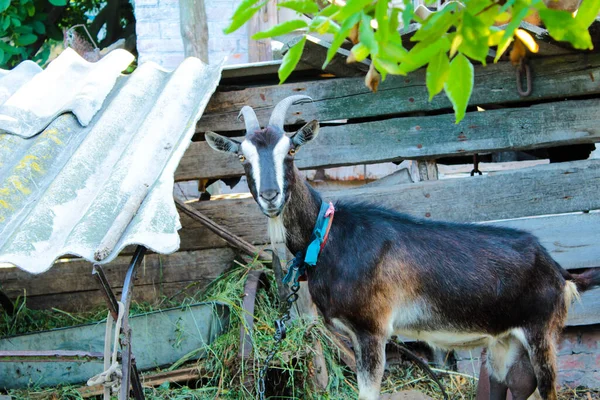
(369, 350)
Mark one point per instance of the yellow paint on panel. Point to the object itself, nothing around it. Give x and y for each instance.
(53, 134)
(16, 182)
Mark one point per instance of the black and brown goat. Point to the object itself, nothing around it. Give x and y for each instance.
(383, 273)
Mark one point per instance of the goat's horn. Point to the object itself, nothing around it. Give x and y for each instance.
(278, 115)
(250, 119)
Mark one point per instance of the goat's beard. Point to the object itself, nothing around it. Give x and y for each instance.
(277, 232)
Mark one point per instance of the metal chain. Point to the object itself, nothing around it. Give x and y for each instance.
(280, 333)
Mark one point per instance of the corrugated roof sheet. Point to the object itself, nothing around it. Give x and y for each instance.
(91, 190)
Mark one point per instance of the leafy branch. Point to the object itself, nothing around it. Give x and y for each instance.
(447, 42)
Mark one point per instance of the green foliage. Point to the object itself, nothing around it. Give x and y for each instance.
(30, 28)
(446, 40)
(459, 85)
(290, 60)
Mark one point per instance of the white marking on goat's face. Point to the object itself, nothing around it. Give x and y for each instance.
(267, 163)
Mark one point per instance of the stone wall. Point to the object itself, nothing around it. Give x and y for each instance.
(159, 36)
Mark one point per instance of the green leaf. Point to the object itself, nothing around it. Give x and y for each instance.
(587, 12)
(58, 3)
(393, 51)
(5, 23)
(24, 29)
(437, 24)
(329, 10)
(562, 26)
(26, 39)
(437, 74)
(4, 4)
(352, 7)
(16, 22)
(238, 20)
(475, 36)
(323, 25)
(38, 27)
(519, 12)
(366, 35)
(422, 53)
(290, 60)
(394, 21)
(302, 7)
(281, 29)
(408, 14)
(2, 56)
(383, 20)
(387, 66)
(339, 37)
(459, 85)
(30, 9)
(243, 7)
(360, 51)
(8, 48)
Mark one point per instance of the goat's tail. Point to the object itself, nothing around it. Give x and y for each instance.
(584, 281)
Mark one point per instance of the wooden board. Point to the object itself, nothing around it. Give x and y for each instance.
(70, 285)
(555, 78)
(586, 312)
(542, 125)
(159, 338)
(541, 190)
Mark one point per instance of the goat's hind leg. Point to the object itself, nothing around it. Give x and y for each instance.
(542, 354)
(370, 361)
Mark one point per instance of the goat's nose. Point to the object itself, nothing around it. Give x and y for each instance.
(269, 195)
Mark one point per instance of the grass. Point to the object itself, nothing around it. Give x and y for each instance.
(291, 369)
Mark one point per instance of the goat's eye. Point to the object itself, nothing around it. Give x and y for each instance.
(241, 157)
(292, 152)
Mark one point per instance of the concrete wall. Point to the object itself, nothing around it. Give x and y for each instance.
(159, 36)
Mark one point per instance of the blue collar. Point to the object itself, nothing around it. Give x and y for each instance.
(298, 265)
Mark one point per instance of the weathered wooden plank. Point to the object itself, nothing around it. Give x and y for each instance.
(541, 190)
(345, 98)
(159, 338)
(93, 299)
(156, 271)
(542, 125)
(572, 239)
(586, 312)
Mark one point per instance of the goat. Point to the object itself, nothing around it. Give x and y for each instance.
(383, 273)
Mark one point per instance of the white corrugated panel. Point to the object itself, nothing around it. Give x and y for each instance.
(91, 190)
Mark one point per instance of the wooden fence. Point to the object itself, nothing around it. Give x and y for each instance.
(557, 202)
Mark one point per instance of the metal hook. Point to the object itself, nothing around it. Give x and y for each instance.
(524, 67)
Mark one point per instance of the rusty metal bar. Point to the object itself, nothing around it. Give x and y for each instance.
(109, 296)
(49, 356)
(254, 281)
(130, 376)
(126, 295)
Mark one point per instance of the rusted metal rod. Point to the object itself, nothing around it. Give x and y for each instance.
(130, 377)
(128, 363)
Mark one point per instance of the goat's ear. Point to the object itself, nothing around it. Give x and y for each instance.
(222, 143)
(307, 133)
